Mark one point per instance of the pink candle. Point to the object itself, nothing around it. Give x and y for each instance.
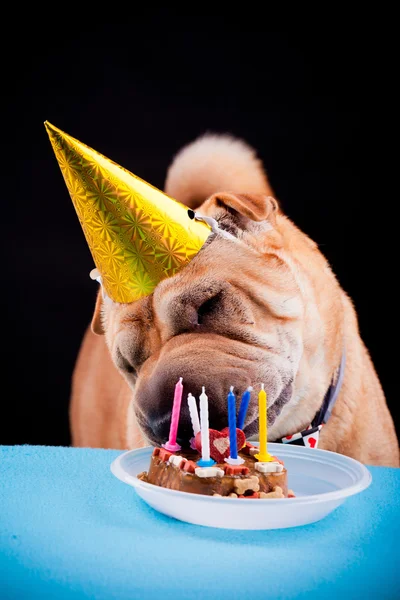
(171, 445)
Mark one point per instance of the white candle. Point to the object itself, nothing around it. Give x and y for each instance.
(194, 415)
(205, 434)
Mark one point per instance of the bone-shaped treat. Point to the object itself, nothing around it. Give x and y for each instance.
(249, 484)
(268, 467)
(277, 493)
(209, 472)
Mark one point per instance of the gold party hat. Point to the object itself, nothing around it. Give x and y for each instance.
(137, 234)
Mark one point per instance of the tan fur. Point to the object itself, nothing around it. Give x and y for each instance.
(281, 318)
(213, 163)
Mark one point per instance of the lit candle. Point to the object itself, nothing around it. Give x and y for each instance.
(171, 445)
(244, 405)
(263, 455)
(206, 460)
(233, 459)
(194, 417)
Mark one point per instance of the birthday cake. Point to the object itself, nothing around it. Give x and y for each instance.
(251, 479)
(219, 463)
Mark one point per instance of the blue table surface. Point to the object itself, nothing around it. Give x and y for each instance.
(70, 529)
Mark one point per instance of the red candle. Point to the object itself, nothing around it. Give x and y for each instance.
(171, 445)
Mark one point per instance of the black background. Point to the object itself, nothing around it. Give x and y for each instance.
(137, 92)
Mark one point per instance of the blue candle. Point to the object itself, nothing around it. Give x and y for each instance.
(232, 424)
(233, 459)
(244, 405)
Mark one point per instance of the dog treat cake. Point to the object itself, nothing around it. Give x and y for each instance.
(250, 479)
(220, 463)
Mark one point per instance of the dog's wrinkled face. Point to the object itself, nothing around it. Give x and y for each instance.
(233, 316)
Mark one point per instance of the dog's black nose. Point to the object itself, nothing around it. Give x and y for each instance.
(155, 396)
(161, 426)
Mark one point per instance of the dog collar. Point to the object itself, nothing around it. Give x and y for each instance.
(309, 437)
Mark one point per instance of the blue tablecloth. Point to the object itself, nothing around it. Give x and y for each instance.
(69, 529)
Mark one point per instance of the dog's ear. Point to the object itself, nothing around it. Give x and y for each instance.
(256, 207)
(97, 324)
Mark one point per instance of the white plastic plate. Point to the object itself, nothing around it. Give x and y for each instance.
(321, 481)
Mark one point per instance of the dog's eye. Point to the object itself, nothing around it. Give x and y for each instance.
(208, 308)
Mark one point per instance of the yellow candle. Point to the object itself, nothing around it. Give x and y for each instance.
(263, 455)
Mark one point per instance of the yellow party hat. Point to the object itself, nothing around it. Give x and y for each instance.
(137, 234)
